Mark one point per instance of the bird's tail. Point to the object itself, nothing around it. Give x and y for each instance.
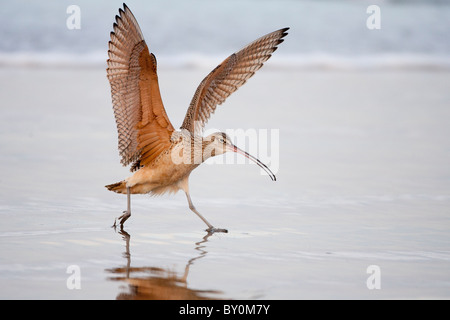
(118, 187)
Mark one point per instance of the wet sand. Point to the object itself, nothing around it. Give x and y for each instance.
(363, 179)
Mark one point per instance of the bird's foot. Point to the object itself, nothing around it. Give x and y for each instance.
(213, 230)
(122, 219)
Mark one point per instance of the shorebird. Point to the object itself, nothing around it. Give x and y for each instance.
(161, 157)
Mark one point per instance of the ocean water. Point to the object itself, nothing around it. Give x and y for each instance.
(363, 180)
(326, 34)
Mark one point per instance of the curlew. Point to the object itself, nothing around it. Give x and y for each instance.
(161, 157)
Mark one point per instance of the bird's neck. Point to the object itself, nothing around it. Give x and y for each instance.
(191, 149)
(198, 150)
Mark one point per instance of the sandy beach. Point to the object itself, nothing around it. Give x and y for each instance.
(362, 179)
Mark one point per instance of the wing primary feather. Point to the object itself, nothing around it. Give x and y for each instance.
(227, 77)
(143, 127)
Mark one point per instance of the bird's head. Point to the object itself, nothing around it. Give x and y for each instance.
(216, 144)
(219, 143)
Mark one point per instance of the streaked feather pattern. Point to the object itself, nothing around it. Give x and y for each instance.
(227, 77)
(143, 127)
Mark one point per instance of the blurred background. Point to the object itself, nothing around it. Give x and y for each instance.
(329, 34)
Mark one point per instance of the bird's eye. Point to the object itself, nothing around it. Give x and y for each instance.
(221, 140)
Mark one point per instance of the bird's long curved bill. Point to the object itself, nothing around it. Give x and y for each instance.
(256, 160)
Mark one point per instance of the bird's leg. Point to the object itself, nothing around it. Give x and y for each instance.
(192, 207)
(127, 213)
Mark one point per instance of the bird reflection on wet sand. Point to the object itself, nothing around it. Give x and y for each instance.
(155, 283)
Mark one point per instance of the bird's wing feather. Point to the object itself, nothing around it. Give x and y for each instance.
(227, 77)
(144, 129)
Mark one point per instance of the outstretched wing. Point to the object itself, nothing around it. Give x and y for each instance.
(144, 130)
(227, 77)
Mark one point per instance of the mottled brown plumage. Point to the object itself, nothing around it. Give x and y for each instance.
(227, 77)
(142, 123)
(162, 157)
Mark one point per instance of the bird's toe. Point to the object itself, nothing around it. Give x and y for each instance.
(213, 230)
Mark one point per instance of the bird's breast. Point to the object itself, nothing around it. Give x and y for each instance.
(168, 170)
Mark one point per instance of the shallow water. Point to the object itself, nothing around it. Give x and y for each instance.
(363, 179)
